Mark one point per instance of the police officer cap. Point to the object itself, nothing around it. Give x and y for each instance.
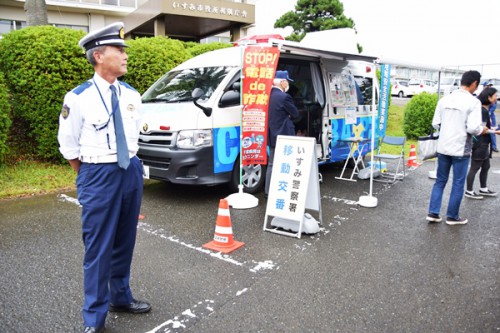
(112, 34)
(282, 75)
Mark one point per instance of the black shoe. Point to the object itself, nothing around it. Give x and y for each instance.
(488, 193)
(134, 307)
(495, 150)
(473, 195)
(453, 221)
(89, 329)
(431, 217)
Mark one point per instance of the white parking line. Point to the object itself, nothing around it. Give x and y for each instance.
(178, 323)
(265, 265)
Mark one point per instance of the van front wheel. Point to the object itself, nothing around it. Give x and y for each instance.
(253, 178)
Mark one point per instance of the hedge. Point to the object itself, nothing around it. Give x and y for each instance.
(5, 121)
(418, 115)
(41, 64)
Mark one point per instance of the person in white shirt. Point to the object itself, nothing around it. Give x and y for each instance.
(458, 118)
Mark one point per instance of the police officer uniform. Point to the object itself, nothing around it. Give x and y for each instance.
(109, 194)
(282, 111)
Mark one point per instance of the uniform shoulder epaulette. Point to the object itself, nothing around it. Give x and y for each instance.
(82, 87)
(126, 85)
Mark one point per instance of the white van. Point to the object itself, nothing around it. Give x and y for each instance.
(448, 84)
(196, 140)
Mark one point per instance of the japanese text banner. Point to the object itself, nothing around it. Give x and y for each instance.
(259, 66)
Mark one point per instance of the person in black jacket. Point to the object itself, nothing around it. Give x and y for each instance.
(481, 150)
(282, 111)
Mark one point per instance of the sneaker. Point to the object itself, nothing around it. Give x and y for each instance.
(488, 193)
(452, 221)
(472, 195)
(431, 217)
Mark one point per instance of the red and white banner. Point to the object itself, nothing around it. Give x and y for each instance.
(259, 66)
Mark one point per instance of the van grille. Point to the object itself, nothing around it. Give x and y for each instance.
(155, 162)
(158, 138)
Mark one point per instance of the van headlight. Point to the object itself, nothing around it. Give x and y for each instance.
(194, 138)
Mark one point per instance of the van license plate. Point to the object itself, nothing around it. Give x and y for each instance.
(145, 171)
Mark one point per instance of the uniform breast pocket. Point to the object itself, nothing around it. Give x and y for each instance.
(130, 122)
(99, 125)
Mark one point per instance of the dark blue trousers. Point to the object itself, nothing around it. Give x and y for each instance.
(111, 200)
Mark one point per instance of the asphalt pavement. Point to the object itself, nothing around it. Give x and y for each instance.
(382, 269)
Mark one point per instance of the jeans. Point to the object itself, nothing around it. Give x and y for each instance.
(445, 163)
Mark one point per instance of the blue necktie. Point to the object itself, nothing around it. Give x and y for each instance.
(121, 142)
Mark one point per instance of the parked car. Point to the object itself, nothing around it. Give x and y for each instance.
(448, 85)
(417, 86)
(399, 87)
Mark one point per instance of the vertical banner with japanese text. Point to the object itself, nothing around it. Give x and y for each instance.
(259, 66)
(383, 105)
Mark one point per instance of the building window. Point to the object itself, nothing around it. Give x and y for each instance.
(7, 26)
(74, 27)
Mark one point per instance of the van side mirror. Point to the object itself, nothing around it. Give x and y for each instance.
(196, 94)
(231, 97)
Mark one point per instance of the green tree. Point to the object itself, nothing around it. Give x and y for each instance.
(315, 15)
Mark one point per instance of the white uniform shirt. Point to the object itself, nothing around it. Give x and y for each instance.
(84, 112)
(459, 115)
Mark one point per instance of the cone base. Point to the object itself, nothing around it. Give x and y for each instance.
(213, 245)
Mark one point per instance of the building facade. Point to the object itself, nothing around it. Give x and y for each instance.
(190, 20)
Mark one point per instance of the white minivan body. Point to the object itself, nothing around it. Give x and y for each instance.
(196, 141)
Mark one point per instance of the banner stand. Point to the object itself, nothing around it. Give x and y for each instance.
(258, 68)
(242, 200)
(369, 200)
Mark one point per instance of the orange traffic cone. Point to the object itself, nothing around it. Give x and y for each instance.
(412, 159)
(223, 237)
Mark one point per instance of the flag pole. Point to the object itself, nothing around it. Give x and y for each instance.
(241, 200)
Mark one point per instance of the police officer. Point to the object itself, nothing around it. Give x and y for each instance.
(98, 135)
(282, 111)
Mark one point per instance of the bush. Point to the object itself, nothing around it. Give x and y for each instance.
(40, 65)
(150, 58)
(196, 49)
(418, 115)
(5, 121)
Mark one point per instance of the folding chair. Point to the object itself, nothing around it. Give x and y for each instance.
(393, 175)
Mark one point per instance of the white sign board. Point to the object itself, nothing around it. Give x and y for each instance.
(294, 185)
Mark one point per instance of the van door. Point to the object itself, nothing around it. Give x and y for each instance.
(308, 92)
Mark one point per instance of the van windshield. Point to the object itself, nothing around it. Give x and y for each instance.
(177, 86)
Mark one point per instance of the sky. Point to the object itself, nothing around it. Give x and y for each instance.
(450, 33)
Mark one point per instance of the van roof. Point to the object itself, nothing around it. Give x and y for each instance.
(232, 56)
